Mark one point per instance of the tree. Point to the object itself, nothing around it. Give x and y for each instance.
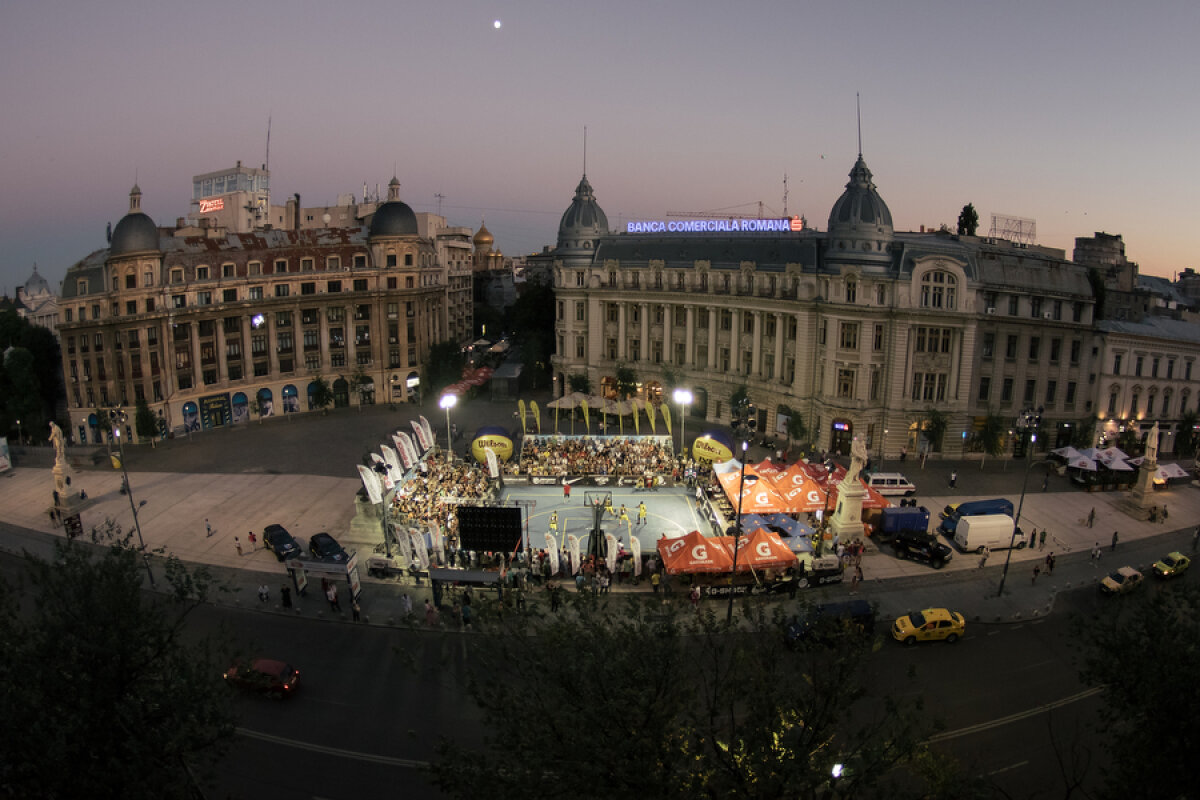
(626, 381)
(658, 703)
(1083, 432)
(359, 381)
(580, 382)
(1185, 442)
(991, 437)
(20, 391)
(443, 367)
(1142, 655)
(321, 394)
(42, 391)
(968, 220)
(796, 429)
(104, 696)
(935, 428)
(144, 422)
(739, 404)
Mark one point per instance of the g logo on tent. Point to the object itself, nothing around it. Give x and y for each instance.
(700, 553)
(674, 546)
(763, 549)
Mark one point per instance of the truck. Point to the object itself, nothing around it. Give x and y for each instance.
(993, 531)
(907, 518)
(972, 508)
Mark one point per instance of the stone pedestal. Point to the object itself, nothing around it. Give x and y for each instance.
(846, 522)
(1142, 495)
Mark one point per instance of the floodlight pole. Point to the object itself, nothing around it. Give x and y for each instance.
(1028, 422)
(116, 418)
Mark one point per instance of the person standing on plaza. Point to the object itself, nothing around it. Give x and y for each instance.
(642, 513)
(263, 593)
(987, 551)
(1091, 519)
(1114, 541)
(356, 610)
(1037, 570)
(1095, 555)
(953, 478)
(406, 604)
(1163, 518)
(253, 541)
(431, 615)
(1042, 540)
(207, 528)
(655, 580)
(1050, 563)
(903, 454)
(238, 544)
(332, 596)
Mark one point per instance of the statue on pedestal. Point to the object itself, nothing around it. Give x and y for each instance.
(1152, 445)
(60, 460)
(858, 457)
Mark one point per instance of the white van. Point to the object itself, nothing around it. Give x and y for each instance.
(992, 530)
(891, 483)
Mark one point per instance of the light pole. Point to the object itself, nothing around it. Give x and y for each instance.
(684, 398)
(448, 402)
(1028, 422)
(116, 417)
(737, 527)
(20, 435)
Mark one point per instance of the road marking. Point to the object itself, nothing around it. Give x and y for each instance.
(333, 751)
(1020, 715)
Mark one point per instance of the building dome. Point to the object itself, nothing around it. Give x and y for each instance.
(584, 221)
(393, 218)
(36, 283)
(136, 232)
(860, 209)
(483, 239)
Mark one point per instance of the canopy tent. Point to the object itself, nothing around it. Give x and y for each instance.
(1066, 453)
(760, 549)
(569, 400)
(693, 552)
(1112, 454)
(1082, 462)
(1166, 473)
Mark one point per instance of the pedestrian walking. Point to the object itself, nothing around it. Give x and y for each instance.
(903, 454)
(207, 527)
(1050, 564)
(332, 596)
(1095, 555)
(566, 491)
(1042, 540)
(285, 593)
(953, 479)
(1114, 541)
(655, 580)
(431, 615)
(1037, 570)
(694, 597)
(855, 579)
(642, 513)
(1164, 513)
(238, 544)
(987, 551)
(406, 604)
(1091, 517)
(1045, 482)
(357, 611)
(253, 541)
(263, 593)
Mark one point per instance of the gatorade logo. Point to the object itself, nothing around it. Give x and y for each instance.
(700, 553)
(763, 549)
(675, 546)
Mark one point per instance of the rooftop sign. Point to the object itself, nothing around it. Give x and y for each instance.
(782, 225)
(212, 205)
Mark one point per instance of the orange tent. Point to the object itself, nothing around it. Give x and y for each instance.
(761, 549)
(758, 497)
(694, 553)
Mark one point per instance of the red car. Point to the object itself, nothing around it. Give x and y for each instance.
(264, 675)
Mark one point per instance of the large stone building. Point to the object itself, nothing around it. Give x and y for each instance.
(211, 325)
(860, 329)
(37, 303)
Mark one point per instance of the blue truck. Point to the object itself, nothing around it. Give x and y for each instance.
(906, 518)
(973, 508)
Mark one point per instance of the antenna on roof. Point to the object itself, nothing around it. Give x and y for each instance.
(785, 193)
(267, 163)
(858, 109)
(439, 197)
(585, 149)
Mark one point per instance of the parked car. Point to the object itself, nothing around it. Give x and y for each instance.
(891, 483)
(921, 546)
(326, 548)
(1124, 580)
(929, 625)
(264, 675)
(1171, 565)
(277, 539)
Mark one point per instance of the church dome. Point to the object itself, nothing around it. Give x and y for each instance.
(36, 283)
(483, 239)
(860, 210)
(136, 232)
(393, 218)
(584, 221)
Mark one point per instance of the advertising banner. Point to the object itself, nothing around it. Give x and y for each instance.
(713, 446)
(371, 483)
(493, 437)
(406, 458)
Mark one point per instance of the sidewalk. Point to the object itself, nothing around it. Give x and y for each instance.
(178, 505)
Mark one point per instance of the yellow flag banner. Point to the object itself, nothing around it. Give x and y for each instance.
(537, 414)
(666, 412)
(637, 426)
(650, 415)
(586, 422)
(521, 410)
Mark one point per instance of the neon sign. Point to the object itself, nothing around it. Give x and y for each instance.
(782, 225)
(212, 205)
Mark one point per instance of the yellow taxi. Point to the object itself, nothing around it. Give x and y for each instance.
(1124, 580)
(929, 625)
(1171, 565)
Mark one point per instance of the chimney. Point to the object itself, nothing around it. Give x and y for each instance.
(297, 221)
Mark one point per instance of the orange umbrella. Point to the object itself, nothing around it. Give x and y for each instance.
(761, 549)
(694, 553)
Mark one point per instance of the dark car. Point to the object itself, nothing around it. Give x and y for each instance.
(921, 547)
(823, 623)
(264, 675)
(326, 548)
(280, 542)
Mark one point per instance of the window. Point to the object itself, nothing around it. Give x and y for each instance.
(1035, 345)
(1070, 398)
(333, 262)
(579, 347)
(1051, 391)
(938, 290)
(390, 259)
(611, 347)
(408, 259)
(284, 341)
(227, 270)
(1055, 350)
(204, 298)
(726, 319)
(201, 273)
(1170, 368)
(1006, 391)
(747, 322)
(985, 389)
(1187, 370)
(1112, 404)
(311, 340)
(147, 279)
(360, 284)
(877, 343)
(335, 314)
(283, 319)
(362, 334)
(1133, 404)
(848, 339)
(131, 281)
(989, 345)
(1035, 307)
(1137, 366)
(845, 383)
(1076, 346)
(1030, 391)
(131, 306)
(1014, 304)
(282, 290)
(613, 312)
(69, 315)
(1117, 364)
(929, 386)
(306, 265)
(1154, 367)
(881, 295)
(229, 295)
(408, 282)
(176, 275)
(579, 311)
(179, 300)
(255, 292)
(1010, 347)
(333, 286)
(254, 268)
(851, 291)
(580, 279)
(308, 287)
(1077, 312)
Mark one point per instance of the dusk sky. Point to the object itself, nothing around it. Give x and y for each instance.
(1079, 114)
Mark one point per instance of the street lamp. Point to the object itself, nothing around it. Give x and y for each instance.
(684, 398)
(1028, 422)
(737, 528)
(448, 402)
(20, 436)
(116, 417)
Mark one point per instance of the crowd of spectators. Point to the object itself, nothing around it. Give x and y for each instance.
(434, 492)
(559, 456)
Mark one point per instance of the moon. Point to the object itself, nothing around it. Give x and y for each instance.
(496, 24)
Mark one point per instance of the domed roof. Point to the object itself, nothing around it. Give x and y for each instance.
(584, 219)
(860, 209)
(136, 232)
(393, 218)
(483, 237)
(36, 283)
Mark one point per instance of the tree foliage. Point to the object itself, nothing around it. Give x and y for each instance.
(626, 381)
(144, 421)
(444, 366)
(968, 220)
(796, 429)
(579, 382)
(648, 701)
(935, 428)
(30, 387)
(991, 437)
(1185, 442)
(103, 697)
(1083, 432)
(1145, 656)
(322, 393)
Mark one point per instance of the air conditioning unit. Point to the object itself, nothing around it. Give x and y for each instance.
(1047, 315)
(991, 310)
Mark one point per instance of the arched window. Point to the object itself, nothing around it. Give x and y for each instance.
(938, 290)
